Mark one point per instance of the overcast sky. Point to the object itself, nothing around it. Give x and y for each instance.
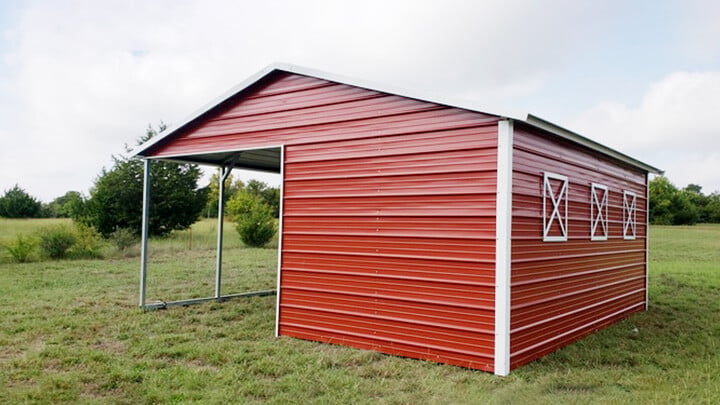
(79, 79)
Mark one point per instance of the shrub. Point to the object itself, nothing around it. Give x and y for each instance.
(21, 248)
(87, 243)
(253, 219)
(123, 238)
(17, 203)
(56, 241)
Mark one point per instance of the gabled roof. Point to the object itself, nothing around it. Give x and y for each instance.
(526, 118)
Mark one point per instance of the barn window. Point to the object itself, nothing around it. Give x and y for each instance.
(598, 212)
(555, 202)
(629, 214)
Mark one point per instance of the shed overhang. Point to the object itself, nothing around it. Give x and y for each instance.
(262, 159)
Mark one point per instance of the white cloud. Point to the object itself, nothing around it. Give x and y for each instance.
(675, 127)
(79, 79)
(89, 76)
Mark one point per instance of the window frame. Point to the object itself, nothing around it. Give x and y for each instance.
(629, 215)
(556, 203)
(599, 210)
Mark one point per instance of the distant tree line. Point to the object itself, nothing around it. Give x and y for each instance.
(670, 205)
(17, 203)
(115, 200)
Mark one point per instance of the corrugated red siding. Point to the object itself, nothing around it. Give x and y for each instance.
(389, 215)
(562, 291)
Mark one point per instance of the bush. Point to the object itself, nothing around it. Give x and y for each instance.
(21, 248)
(253, 219)
(123, 238)
(56, 241)
(17, 203)
(87, 243)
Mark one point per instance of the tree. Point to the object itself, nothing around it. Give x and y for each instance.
(116, 198)
(270, 195)
(671, 206)
(16, 203)
(67, 205)
(694, 194)
(661, 196)
(712, 209)
(232, 187)
(685, 212)
(253, 218)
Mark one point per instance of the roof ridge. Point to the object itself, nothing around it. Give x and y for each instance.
(526, 118)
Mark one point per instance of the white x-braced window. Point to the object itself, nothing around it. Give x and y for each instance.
(555, 203)
(629, 214)
(598, 212)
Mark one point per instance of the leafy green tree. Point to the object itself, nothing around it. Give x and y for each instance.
(270, 195)
(661, 200)
(17, 203)
(685, 212)
(116, 198)
(68, 205)
(253, 218)
(712, 209)
(672, 206)
(232, 187)
(693, 192)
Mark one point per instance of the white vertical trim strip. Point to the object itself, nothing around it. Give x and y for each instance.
(144, 231)
(280, 239)
(647, 237)
(503, 231)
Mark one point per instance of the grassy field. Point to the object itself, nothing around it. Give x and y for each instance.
(71, 332)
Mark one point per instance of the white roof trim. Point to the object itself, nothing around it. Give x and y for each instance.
(501, 112)
(541, 123)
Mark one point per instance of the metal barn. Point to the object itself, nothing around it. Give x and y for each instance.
(424, 228)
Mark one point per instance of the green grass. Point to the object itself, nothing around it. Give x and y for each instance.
(11, 227)
(70, 331)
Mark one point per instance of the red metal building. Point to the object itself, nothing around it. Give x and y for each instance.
(427, 229)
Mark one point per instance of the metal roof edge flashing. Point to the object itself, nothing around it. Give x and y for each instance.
(555, 129)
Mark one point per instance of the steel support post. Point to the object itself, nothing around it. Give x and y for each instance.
(144, 240)
(224, 173)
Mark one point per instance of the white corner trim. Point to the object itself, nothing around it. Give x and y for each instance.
(503, 232)
(647, 238)
(280, 239)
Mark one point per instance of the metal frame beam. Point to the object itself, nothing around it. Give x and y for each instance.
(184, 303)
(226, 169)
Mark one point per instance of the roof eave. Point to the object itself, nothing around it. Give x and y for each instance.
(555, 129)
(142, 150)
